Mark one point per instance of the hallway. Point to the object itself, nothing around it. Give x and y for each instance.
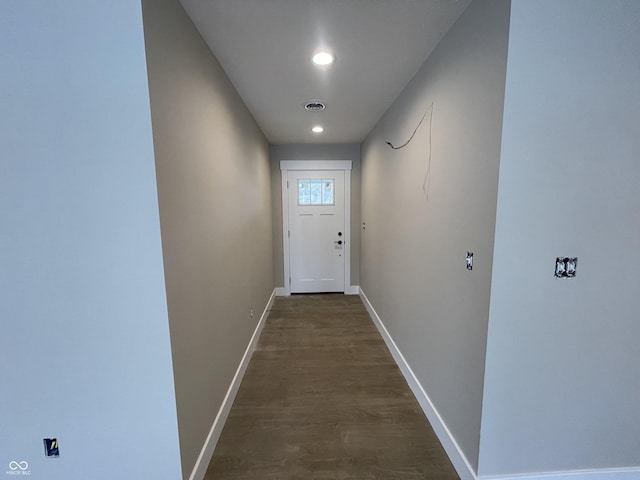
(146, 231)
(323, 399)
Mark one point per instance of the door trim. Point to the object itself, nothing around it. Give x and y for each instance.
(318, 165)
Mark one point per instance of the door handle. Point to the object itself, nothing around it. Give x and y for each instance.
(339, 242)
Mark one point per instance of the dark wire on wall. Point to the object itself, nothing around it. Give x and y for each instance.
(427, 177)
(412, 135)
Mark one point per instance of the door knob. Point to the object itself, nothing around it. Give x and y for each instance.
(339, 242)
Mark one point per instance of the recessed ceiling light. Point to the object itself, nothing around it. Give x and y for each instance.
(322, 58)
(317, 129)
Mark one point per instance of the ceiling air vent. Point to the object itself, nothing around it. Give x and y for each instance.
(315, 106)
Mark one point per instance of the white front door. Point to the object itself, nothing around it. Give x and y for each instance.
(316, 230)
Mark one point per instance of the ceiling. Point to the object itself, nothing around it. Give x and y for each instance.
(265, 47)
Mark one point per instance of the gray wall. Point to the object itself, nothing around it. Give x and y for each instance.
(215, 211)
(562, 383)
(84, 335)
(413, 249)
(314, 152)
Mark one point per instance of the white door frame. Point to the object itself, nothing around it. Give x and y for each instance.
(285, 166)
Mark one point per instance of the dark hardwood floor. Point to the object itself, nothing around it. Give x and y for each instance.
(323, 399)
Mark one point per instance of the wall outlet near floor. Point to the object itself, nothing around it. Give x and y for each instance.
(251, 313)
(51, 447)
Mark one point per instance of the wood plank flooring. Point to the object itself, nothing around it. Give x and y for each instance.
(323, 399)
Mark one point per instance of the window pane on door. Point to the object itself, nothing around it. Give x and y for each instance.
(327, 192)
(304, 192)
(316, 191)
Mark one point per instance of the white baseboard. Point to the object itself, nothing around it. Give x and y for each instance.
(457, 457)
(596, 474)
(352, 290)
(200, 468)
